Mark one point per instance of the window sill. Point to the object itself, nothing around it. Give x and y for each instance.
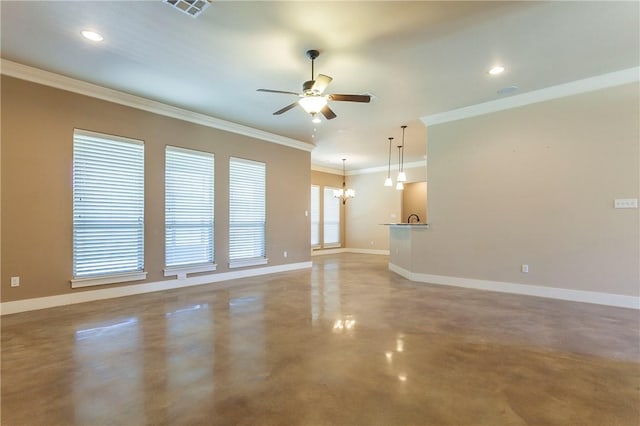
(336, 245)
(108, 279)
(248, 262)
(180, 272)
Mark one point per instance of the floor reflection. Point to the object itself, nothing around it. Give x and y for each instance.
(190, 358)
(325, 294)
(247, 337)
(108, 372)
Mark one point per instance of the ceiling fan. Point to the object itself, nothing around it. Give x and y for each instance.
(312, 99)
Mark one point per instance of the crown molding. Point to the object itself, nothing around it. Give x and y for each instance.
(590, 84)
(47, 78)
(378, 169)
(323, 169)
(367, 170)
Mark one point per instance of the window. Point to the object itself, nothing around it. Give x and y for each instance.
(108, 209)
(247, 216)
(189, 224)
(315, 216)
(331, 218)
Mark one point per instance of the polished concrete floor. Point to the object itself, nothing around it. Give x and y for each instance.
(345, 343)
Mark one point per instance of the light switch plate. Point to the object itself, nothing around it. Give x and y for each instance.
(625, 203)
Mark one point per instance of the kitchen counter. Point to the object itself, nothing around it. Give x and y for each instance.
(403, 241)
(426, 225)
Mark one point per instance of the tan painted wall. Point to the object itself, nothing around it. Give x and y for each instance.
(37, 149)
(536, 185)
(414, 201)
(375, 204)
(323, 179)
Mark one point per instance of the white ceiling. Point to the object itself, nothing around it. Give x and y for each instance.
(416, 58)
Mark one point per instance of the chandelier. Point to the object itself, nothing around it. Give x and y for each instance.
(344, 193)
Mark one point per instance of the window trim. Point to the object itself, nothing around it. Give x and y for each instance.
(324, 220)
(108, 279)
(102, 279)
(182, 270)
(319, 223)
(254, 261)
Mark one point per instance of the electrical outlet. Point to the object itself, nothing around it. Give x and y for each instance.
(525, 269)
(625, 203)
(15, 281)
(284, 254)
(371, 243)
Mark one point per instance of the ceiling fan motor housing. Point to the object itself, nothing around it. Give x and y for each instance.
(313, 54)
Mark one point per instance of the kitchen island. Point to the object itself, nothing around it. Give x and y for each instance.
(403, 253)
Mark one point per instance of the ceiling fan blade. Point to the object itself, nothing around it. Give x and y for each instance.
(350, 98)
(321, 83)
(285, 109)
(278, 91)
(328, 113)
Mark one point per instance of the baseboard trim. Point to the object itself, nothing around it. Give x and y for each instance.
(33, 304)
(368, 251)
(349, 250)
(599, 298)
(322, 252)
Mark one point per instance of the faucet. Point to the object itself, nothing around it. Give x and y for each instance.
(412, 215)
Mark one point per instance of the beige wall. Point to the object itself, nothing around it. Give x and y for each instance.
(414, 201)
(535, 185)
(374, 205)
(331, 180)
(37, 149)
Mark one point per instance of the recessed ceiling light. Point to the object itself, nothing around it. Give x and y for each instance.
(91, 35)
(498, 69)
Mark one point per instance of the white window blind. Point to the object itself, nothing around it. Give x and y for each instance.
(247, 212)
(189, 208)
(315, 216)
(108, 207)
(331, 218)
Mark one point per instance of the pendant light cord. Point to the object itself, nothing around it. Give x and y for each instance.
(344, 184)
(403, 127)
(389, 169)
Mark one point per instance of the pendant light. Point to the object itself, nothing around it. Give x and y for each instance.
(399, 185)
(388, 181)
(402, 177)
(344, 193)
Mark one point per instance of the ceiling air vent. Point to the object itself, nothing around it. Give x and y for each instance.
(190, 7)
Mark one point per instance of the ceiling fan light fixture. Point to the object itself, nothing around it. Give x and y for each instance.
(498, 69)
(91, 35)
(316, 119)
(312, 104)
